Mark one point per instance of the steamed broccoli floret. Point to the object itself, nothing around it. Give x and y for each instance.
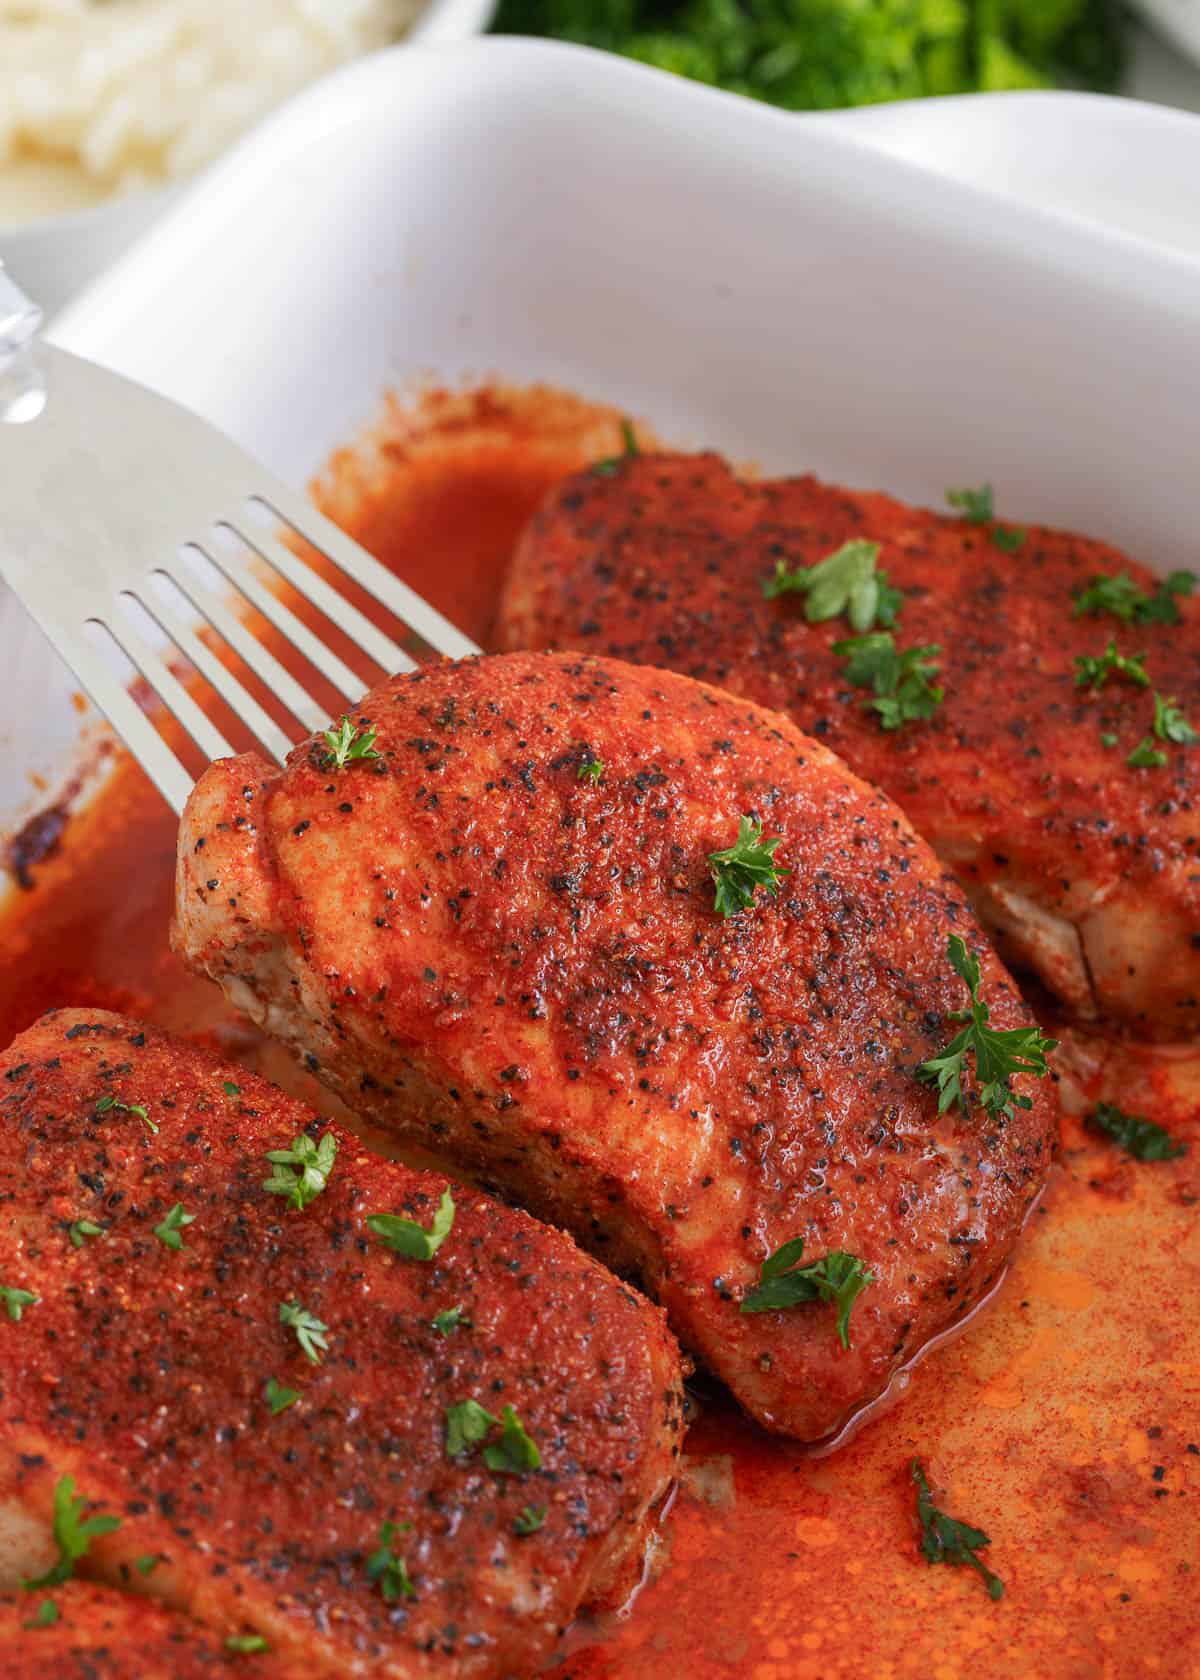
(819, 54)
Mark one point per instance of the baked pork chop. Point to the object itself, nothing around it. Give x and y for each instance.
(382, 1424)
(93, 1633)
(499, 937)
(1062, 795)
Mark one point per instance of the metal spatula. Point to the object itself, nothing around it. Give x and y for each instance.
(102, 485)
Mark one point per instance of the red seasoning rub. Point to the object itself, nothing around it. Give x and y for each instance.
(1057, 777)
(80, 1631)
(371, 1419)
(502, 938)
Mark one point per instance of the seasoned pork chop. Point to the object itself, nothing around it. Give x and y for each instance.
(499, 938)
(255, 1390)
(1082, 865)
(99, 1634)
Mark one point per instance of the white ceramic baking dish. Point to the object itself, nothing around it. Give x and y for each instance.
(780, 288)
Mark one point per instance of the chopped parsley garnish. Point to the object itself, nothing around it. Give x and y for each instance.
(348, 745)
(79, 1230)
(1009, 538)
(590, 770)
(1170, 723)
(1121, 597)
(837, 1277)
(976, 506)
(515, 1451)
(997, 1055)
(468, 1423)
(943, 1540)
(1093, 671)
(454, 1318)
(406, 1237)
(278, 1397)
(607, 467)
(745, 866)
(1138, 1137)
(1107, 740)
(231, 1090)
(44, 1616)
(72, 1536)
(301, 1172)
(169, 1232)
(16, 1300)
(111, 1104)
(389, 1572)
(147, 1563)
(529, 1519)
(1146, 756)
(904, 689)
(246, 1644)
(846, 581)
(310, 1332)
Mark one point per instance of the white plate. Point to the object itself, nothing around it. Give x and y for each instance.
(773, 286)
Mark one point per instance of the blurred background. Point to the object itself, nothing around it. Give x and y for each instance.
(106, 104)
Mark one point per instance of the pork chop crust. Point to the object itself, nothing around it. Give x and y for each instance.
(485, 945)
(99, 1634)
(258, 1472)
(1082, 866)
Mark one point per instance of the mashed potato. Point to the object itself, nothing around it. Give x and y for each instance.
(102, 96)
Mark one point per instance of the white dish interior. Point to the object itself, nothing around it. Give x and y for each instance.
(775, 288)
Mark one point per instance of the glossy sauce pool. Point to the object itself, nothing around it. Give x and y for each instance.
(1065, 1421)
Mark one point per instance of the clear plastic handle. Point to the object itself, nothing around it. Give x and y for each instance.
(22, 381)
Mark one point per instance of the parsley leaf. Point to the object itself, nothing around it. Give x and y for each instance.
(1107, 740)
(743, 867)
(1121, 597)
(301, 1172)
(904, 692)
(529, 1519)
(1170, 723)
(607, 467)
(347, 745)
(71, 1536)
(310, 1332)
(943, 1540)
(388, 1571)
(1161, 607)
(45, 1616)
(590, 770)
(1146, 756)
(16, 1300)
(846, 581)
(110, 1104)
(79, 1230)
(1093, 671)
(976, 506)
(406, 1237)
(278, 1397)
(230, 1089)
(515, 1451)
(837, 1277)
(147, 1563)
(454, 1318)
(468, 1423)
(169, 1231)
(1009, 539)
(246, 1644)
(1138, 1137)
(997, 1055)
